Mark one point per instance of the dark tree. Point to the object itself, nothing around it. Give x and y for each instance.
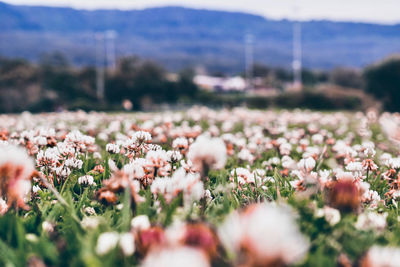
(383, 81)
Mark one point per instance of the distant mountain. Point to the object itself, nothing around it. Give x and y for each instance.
(179, 37)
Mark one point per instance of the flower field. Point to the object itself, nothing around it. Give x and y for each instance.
(200, 188)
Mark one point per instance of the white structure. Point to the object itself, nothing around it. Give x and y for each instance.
(297, 52)
(236, 83)
(212, 83)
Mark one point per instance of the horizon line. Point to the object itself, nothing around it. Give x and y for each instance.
(282, 18)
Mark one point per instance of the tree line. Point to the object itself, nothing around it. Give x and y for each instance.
(53, 84)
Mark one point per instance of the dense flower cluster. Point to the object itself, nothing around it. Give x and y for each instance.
(203, 188)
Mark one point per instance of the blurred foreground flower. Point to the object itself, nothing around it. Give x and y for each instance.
(16, 170)
(381, 257)
(196, 235)
(207, 153)
(331, 215)
(109, 241)
(344, 195)
(176, 257)
(264, 235)
(149, 238)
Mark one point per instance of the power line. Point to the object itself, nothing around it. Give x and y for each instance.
(100, 76)
(110, 36)
(249, 60)
(297, 51)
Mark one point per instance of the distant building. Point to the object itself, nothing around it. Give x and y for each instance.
(294, 87)
(224, 84)
(263, 91)
(172, 77)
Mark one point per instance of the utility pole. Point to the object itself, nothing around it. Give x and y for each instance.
(110, 36)
(100, 66)
(297, 52)
(249, 60)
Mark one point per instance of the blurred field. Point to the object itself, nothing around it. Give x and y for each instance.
(221, 187)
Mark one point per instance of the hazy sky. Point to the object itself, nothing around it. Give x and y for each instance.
(382, 11)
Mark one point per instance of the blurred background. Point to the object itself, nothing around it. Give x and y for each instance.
(160, 54)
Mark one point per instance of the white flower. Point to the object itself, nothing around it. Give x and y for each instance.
(371, 221)
(231, 232)
(368, 149)
(3, 206)
(274, 161)
(32, 238)
(157, 156)
(176, 257)
(207, 195)
(243, 176)
(112, 148)
(140, 222)
(332, 216)
(207, 151)
(16, 169)
(382, 257)
(372, 197)
(79, 141)
(127, 244)
(385, 159)
(180, 143)
(64, 148)
(73, 163)
(17, 156)
(106, 242)
(269, 232)
(174, 156)
(317, 139)
(63, 171)
(36, 189)
(190, 184)
(40, 140)
(141, 137)
(285, 148)
(306, 165)
(246, 155)
(110, 240)
(102, 136)
(288, 163)
(135, 169)
(341, 175)
(324, 177)
(86, 180)
(89, 210)
(154, 147)
(394, 163)
(90, 222)
(311, 151)
(47, 227)
(356, 168)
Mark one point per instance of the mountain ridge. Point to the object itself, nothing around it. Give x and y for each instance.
(181, 36)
